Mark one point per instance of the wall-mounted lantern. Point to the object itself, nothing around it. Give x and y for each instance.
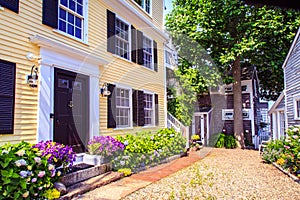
(33, 77)
(104, 90)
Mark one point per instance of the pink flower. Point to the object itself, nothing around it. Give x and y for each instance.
(287, 147)
(33, 180)
(41, 174)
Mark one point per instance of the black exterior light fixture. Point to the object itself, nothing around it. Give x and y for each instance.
(104, 90)
(33, 77)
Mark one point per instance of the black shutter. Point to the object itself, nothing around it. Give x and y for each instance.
(111, 107)
(140, 53)
(133, 44)
(134, 107)
(141, 110)
(111, 31)
(12, 5)
(155, 55)
(50, 13)
(156, 110)
(7, 96)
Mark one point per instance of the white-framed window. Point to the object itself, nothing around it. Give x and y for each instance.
(122, 39)
(123, 108)
(149, 109)
(145, 5)
(297, 107)
(71, 18)
(148, 52)
(169, 58)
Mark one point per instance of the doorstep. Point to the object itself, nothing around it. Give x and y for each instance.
(90, 184)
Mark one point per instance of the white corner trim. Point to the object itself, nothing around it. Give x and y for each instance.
(42, 41)
(295, 99)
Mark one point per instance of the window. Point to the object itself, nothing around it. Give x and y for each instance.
(297, 107)
(145, 4)
(147, 52)
(7, 96)
(244, 88)
(122, 39)
(71, 17)
(123, 108)
(12, 5)
(148, 108)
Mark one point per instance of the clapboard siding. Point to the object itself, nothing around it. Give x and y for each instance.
(292, 82)
(15, 30)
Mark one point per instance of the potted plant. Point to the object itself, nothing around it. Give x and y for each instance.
(101, 149)
(195, 143)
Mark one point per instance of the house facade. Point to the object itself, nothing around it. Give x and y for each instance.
(71, 70)
(277, 116)
(214, 112)
(292, 84)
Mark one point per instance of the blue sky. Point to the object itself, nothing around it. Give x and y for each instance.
(168, 5)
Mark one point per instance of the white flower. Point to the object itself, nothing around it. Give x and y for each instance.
(122, 162)
(5, 152)
(126, 142)
(20, 163)
(51, 167)
(172, 135)
(21, 152)
(37, 160)
(295, 130)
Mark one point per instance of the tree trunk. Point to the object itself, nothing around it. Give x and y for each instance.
(237, 101)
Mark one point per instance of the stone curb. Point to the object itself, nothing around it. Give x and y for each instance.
(296, 179)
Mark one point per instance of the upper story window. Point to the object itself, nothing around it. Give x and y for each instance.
(71, 18)
(148, 53)
(145, 4)
(122, 39)
(67, 16)
(127, 42)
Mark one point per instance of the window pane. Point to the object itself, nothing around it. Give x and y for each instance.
(70, 18)
(72, 5)
(62, 14)
(79, 9)
(64, 2)
(78, 22)
(62, 26)
(70, 29)
(78, 33)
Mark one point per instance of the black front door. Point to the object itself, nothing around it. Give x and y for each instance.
(71, 100)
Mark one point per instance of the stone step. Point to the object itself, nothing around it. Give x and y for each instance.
(91, 184)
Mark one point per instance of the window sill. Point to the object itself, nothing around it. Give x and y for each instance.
(121, 128)
(71, 37)
(149, 126)
(121, 58)
(146, 68)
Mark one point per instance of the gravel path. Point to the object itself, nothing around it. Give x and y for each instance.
(224, 174)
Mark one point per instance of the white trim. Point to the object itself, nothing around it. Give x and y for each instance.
(129, 38)
(62, 48)
(291, 49)
(122, 86)
(153, 108)
(279, 99)
(296, 98)
(52, 57)
(144, 9)
(85, 21)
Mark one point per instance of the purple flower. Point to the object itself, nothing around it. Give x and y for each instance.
(34, 180)
(41, 174)
(23, 174)
(20, 163)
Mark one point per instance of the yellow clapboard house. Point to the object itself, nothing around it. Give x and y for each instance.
(73, 69)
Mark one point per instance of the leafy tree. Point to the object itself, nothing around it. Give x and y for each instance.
(233, 32)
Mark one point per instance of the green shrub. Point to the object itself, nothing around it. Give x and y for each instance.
(25, 174)
(285, 152)
(144, 148)
(227, 141)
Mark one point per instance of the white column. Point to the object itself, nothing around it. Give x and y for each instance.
(94, 106)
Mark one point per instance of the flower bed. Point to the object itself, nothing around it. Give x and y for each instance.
(29, 171)
(285, 152)
(147, 149)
